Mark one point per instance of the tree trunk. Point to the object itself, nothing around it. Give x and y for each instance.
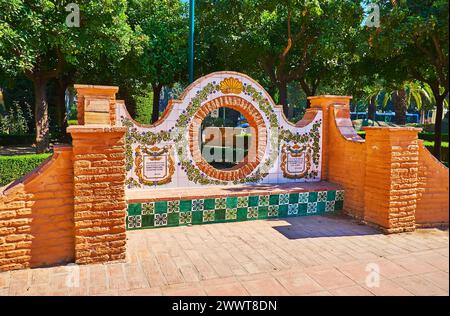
(41, 115)
(438, 126)
(422, 116)
(400, 106)
(130, 102)
(156, 96)
(282, 88)
(61, 110)
(371, 111)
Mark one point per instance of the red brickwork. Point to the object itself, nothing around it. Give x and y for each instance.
(89, 104)
(347, 160)
(73, 207)
(36, 216)
(99, 190)
(432, 199)
(390, 179)
(323, 103)
(392, 158)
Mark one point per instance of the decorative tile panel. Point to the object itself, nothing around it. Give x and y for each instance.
(232, 208)
(165, 154)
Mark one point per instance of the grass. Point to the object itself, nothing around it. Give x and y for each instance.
(431, 144)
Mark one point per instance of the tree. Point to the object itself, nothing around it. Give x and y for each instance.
(35, 40)
(163, 27)
(415, 34)
(287, 39)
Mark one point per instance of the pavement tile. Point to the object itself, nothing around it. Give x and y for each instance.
(387, 288)
(439, 278)
(230, 289)
(355, 290)
(152, 291)
(316, 256)
(298, 283)
(419, 286)
(415, 265)
(331, 278)
(265, 287)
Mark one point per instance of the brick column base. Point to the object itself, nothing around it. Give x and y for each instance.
(392, 160)
(99, 193)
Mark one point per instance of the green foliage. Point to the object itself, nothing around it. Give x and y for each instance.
(252, 36)
(33, 31)
(431, 144)
(14, 167)
(35, 41)
(144, 108)
(430, 137)
(14, 122)
(158, 56)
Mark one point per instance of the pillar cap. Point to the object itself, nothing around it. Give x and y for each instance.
(96, 88)
(325, 101)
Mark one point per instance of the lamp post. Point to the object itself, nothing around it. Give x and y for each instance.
(191, 39)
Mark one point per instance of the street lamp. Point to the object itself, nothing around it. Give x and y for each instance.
(191, 39)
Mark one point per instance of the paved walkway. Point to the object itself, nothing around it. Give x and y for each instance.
(297, 256)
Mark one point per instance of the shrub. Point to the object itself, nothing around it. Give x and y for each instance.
(14, 122)
(430, 136)
(144, 108)
(14, 167)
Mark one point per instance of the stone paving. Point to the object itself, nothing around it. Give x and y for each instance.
(296, 256)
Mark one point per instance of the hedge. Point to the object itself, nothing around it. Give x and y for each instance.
(14, 167)
(430, 136)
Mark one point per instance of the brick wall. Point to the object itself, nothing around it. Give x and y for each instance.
(390, 195)
(324, 103)
(36, 216)
(347, 160)
(99, 190)
(432, 201)
(390, 179)
(72, 208)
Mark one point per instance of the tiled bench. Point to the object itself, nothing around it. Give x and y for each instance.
(193, 206)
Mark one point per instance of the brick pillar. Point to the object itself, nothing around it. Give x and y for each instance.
(391, 178)
(96, 104)
(324, 102)
(99, 177)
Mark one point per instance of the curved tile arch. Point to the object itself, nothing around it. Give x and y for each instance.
(297, 145)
